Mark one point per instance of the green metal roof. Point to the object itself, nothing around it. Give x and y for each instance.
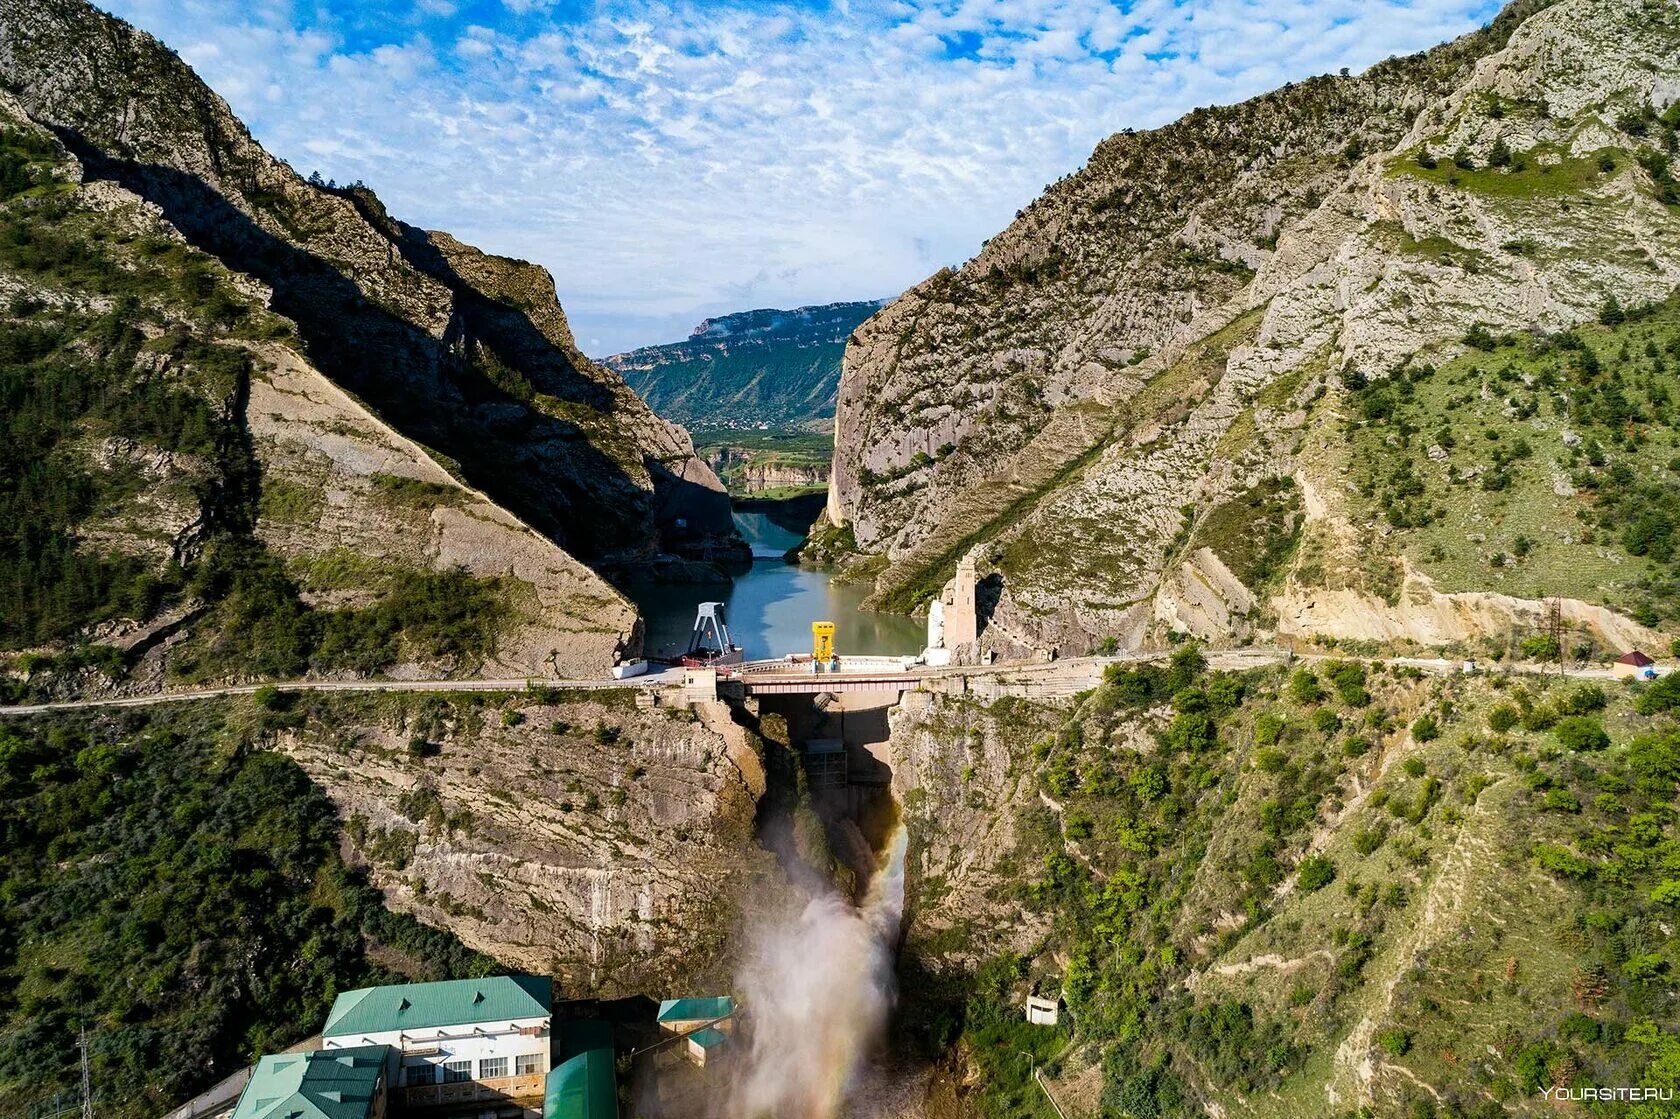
(421, 1006)
(325, 1084)
(708, 1037)
(696, 1010)
(584, 1085)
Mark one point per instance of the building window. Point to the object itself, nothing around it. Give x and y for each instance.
(456, 1071)
(491, 1067)
(527, 1063)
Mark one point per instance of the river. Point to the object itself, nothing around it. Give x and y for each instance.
(771, 607)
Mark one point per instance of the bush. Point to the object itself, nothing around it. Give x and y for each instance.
(1561, 861)
(1315, 873)
(1584, 700)
(1502, 718)
(1426, 729)
(1661, 694)
(1348, 678)
(1304, 687)
(1394, 1041)
(1578, 732)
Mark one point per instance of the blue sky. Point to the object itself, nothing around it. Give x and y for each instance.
(667, 161)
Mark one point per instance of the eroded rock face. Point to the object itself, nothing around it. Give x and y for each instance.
(586, 838)
(964, 780)
(465, 352)
(347, 492)
(1172, 324)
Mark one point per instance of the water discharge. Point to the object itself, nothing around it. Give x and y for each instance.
(821, 989)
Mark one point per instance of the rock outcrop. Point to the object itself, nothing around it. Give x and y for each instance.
(572, 835)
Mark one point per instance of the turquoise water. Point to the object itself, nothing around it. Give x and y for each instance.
(770, 608)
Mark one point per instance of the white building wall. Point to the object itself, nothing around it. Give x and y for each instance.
(426, 1051)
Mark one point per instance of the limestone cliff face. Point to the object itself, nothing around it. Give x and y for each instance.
(751, 471)
(348, 497)
(575, 835)
(465, 352)
(1174, 324)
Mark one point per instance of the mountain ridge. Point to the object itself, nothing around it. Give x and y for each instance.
(1174, 323)
(765, 366)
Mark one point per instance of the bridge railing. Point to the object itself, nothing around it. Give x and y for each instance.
(845, 665)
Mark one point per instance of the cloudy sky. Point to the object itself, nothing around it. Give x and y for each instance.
(672, 160)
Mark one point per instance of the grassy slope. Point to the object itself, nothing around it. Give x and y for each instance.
(1547, 453)
(1199, 966)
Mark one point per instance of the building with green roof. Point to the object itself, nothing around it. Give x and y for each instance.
(325, 1084)
(584, 1085)
(682, 1015)
(410, 1007)
(454, 1043)
(704, 1043)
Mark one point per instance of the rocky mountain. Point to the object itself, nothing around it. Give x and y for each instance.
(1172, 361)
(756, 367)
(264, 424)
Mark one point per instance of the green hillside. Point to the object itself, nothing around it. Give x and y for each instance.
(780, 368)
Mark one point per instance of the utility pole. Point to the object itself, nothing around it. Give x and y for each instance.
(87, 1079)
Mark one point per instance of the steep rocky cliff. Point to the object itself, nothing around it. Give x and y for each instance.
(572, 834)
(1114, 388)
(466, 353)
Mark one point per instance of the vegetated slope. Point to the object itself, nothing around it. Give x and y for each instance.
(780, 368)
(1097, 400)
(466, 353)
(180, 896)
(1331, 890)
(186, 496)
(759, 461)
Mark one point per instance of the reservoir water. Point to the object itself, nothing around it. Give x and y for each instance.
(771, 607)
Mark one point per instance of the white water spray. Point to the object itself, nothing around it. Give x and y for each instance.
(820, 990)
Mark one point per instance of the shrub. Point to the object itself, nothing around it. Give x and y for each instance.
(1426, 729)
(1584, 700)
(1579, 732)
(1502, 718)
(1560, 800)
(1348, 678)
(1316, 872)
(1304, 687)
(1367, 840)
(1561, 861)
(1661, 694)
(1394, 1041)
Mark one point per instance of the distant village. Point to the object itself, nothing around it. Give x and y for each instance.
(490, 1048)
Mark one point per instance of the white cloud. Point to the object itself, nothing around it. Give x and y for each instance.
(668, 160)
